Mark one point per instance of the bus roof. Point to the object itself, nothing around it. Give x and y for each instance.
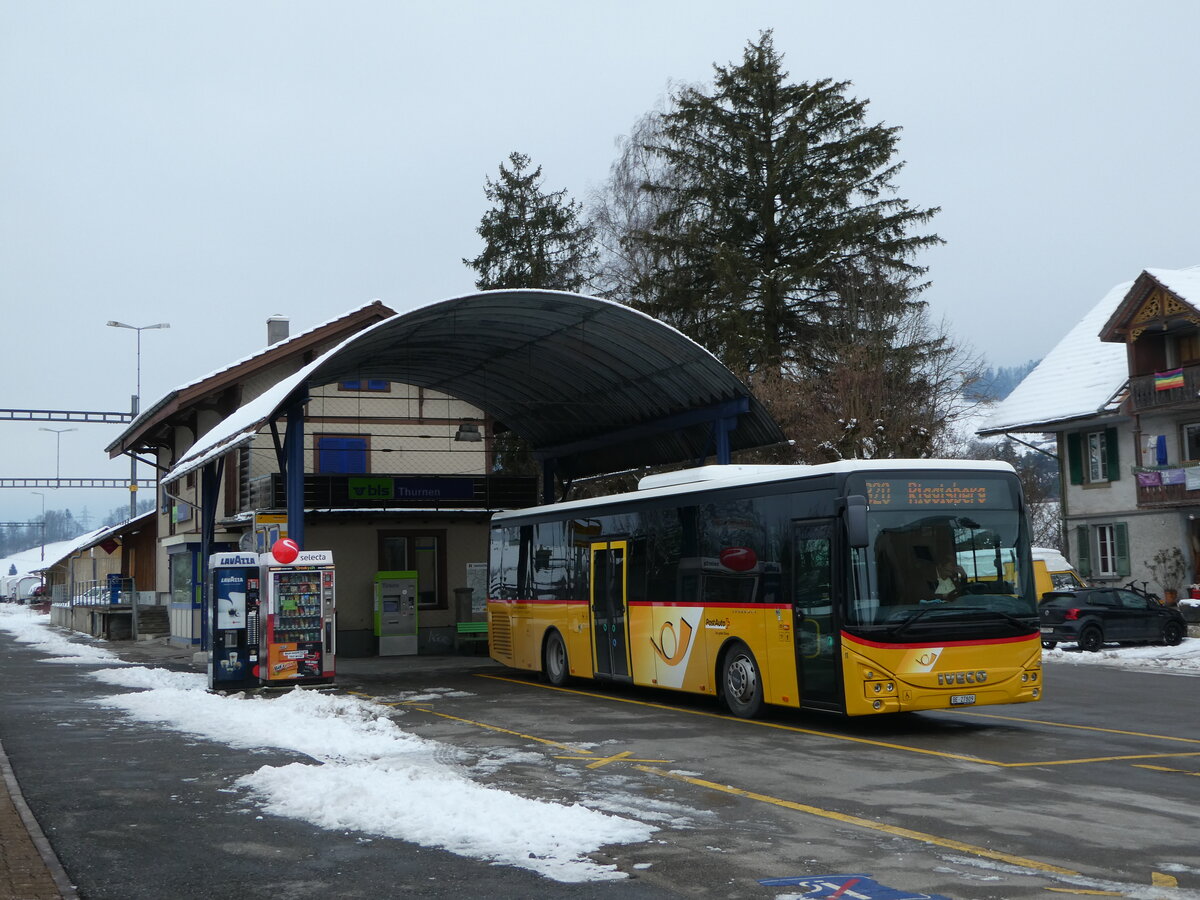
(705, 478)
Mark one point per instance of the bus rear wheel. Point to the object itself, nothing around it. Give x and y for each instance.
(741, 682)
(554, 660)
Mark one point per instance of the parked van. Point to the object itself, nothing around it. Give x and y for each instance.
(18, 588)
(1052, 572)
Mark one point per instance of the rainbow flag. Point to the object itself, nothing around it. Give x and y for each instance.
(1165, 381)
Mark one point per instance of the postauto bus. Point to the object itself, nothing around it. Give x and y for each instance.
(820, 587)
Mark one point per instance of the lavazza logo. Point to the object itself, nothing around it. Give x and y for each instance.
(239, 559)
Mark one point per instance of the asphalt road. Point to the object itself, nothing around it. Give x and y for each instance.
(1093, 789)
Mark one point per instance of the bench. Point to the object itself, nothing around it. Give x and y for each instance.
(470, 632)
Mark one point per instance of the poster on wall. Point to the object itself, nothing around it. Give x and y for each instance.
(477, 582)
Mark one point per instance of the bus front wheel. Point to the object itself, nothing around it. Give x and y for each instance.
(741, 682)
(554, 660)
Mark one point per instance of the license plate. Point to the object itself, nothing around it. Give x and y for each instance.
(962, 699)
(1047, 629)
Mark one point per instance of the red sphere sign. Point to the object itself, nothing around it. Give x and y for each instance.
(739, 559)
(285, 550)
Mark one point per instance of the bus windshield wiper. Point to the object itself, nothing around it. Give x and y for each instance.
(1012, 620)
(920, 613)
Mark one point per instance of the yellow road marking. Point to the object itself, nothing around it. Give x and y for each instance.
(764, 798)
(1157, 737)
(625, 756)
(873, 743)
(1167, 769)
(1089, 893)
(759, 722)
(1161, 879)
(1093, 759)
(894, 830)
(528, 737)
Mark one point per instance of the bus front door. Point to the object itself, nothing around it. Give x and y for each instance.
(610, 626)
(813, 593)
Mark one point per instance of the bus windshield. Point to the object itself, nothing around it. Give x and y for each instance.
(944, 576)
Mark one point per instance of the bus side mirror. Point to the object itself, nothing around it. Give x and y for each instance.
(856, 520)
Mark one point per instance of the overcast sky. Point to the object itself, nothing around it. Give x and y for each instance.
(212, 164)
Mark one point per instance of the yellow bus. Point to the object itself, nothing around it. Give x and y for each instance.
(863, 587)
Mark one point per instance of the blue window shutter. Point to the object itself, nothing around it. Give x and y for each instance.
(342, 456)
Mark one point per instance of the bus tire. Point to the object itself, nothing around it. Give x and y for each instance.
(554, 660)
(741, 682)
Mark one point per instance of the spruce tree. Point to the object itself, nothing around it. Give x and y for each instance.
(760, 218)
(532, 239)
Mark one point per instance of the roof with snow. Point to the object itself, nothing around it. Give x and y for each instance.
(1132, 316)
(597, 385)
(222, 387)
(1079, 379)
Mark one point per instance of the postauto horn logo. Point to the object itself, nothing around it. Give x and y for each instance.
(672, 649)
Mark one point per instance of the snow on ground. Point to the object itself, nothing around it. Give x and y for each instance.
(1181, 660)
(364, 772)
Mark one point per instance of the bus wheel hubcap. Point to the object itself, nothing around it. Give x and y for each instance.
(741, 680)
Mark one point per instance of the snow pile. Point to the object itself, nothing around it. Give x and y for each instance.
(1182, 660)
(366, 775)
(29, 627)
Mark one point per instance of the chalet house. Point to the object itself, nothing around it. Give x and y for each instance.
(1121, 395)
(387, 487)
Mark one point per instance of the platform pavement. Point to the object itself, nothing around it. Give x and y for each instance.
(29, 867)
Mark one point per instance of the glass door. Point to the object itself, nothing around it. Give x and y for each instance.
(610, 625)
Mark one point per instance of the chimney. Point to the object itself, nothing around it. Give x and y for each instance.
(277, 329)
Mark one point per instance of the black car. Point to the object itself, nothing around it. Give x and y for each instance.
(1093, 617)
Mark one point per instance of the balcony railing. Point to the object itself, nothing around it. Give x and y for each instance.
(392, 491)
(1144, 395)
(1168, 486)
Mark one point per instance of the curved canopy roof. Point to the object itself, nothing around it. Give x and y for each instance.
(596, 385)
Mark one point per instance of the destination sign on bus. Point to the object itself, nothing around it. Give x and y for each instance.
(938, 493)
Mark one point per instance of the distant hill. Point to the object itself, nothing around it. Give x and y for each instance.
(996, 384)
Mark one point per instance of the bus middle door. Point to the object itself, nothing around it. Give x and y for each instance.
(610, 621)
(813, 595)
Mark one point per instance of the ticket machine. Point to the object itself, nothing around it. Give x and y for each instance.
(396, 613)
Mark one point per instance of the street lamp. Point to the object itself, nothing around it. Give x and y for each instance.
(43, 496)
(137, 399)
(58, 433)
(139, 330)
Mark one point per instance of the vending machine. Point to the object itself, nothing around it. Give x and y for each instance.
(299, 628)
(233, 592)
(396, 613)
